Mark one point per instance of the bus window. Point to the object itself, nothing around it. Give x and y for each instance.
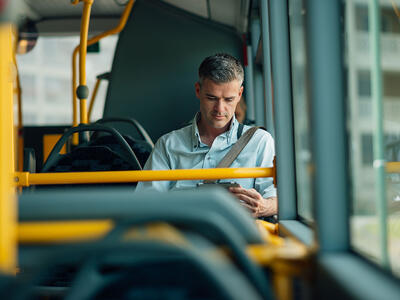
(301, 112)
(375, 211)
(45, 74)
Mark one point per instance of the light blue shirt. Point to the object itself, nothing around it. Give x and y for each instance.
(183, 149)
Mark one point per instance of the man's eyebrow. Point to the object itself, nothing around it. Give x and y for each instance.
(211, 95)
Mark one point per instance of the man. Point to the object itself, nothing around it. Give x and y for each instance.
(211, 135)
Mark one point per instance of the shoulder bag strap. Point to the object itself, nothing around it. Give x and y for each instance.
(228, 159)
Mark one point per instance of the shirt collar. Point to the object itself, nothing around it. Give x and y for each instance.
(195, 132)
(230, 134)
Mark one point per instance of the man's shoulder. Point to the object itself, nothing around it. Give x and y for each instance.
(260, 134)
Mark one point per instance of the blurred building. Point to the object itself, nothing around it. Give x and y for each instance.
(46, 79)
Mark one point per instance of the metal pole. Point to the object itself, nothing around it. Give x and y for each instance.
(330, 184)
(377, 111)
(249, 90)
(280, 60)
(268, 95)
(255, 34)
(258, 103)
(8, 207)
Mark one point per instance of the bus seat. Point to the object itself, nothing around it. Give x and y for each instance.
(209, 225)
(14, 288)
(122, 203)
(154, 270)
(88, 157)
(127, 126)
(131, 130)
(144, 269)
(213, 214)
(141, 148)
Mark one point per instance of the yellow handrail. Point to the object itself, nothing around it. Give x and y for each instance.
(94, 94)
(8, 208)
(393, 167)
(20, 138)
(117, 29)
(27, 179)
(71, 231)
(396, 10)
(62, 231)
(87, 6)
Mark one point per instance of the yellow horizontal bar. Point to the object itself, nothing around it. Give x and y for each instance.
(26, 179)
(62, 231)
(393, 167)
(89, 230)
(270, 227)
(270, 253)
(287, 251)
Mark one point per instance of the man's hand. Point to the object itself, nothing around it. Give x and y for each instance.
(255, 203)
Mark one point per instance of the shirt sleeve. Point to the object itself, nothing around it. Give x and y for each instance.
(265, 158)
(158, 160)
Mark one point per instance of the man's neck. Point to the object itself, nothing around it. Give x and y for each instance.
(208, 133)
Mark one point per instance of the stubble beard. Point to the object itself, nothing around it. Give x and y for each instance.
(217, 124)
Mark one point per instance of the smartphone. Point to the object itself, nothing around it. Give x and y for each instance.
(225, 185)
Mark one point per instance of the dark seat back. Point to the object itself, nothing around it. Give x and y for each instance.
(90, 159)
(141, 148)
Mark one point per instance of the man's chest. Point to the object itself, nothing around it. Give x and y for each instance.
(204, 157)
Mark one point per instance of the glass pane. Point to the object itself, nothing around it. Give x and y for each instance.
(46, 81)
(301, 107)
(366, 236)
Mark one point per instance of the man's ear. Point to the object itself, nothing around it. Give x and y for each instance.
(240, 91)
(197, 89)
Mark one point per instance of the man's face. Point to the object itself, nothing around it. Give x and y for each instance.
(218, 101)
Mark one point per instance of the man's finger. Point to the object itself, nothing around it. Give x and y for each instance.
(251, 192)
(247, 199)
(249, 208)
(235, 190)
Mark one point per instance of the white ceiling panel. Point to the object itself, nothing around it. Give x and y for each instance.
(64, 8)
(224, 11)
(229, 12)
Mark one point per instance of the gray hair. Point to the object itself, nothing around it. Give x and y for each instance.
(221, 68)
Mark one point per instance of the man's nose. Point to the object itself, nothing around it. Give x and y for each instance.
(219, 106)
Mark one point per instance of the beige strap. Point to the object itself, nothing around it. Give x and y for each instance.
(228, 159)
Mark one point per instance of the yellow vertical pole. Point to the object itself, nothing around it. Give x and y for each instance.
(96, 88)
(75, 139)
(20, 138)
(95, 39)
(87, 5)
(8, 211)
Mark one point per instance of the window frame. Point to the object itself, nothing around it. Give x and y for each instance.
(335, 261)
